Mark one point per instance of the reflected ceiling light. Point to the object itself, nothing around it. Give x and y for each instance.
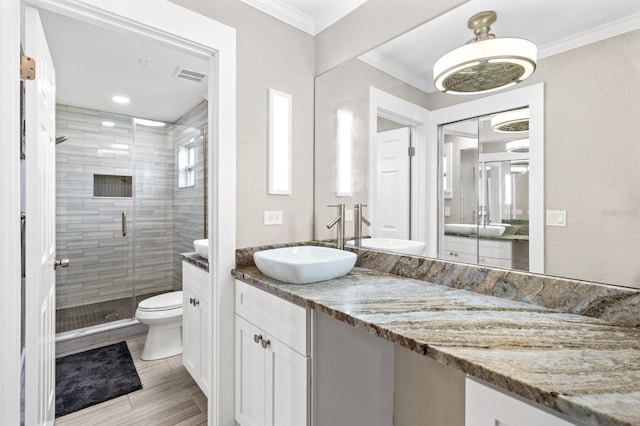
(149, 123)
(511, 121)
(485, 63)
(108, 124)
(519, 167)
(120, 99)
(520, 145)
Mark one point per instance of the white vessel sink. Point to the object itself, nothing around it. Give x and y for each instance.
(394, 245)
(471, 229)
(304, 264)
(202, 248)
(491, 230)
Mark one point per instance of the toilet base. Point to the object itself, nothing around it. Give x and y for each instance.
(162, 342)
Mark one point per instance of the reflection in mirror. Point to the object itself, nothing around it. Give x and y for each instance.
(486, 220)
(589, 137)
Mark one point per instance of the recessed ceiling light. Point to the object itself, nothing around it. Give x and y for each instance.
(108, 124)
(149, 123)
(120, 99)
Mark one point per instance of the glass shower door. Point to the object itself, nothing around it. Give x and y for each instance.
(94, 217)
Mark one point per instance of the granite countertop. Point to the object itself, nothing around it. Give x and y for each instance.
(583, 367)
(195, 259)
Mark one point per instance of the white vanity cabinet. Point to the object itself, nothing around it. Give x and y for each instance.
(484, 252)
(272, 360)
(195, 324)
(486, 406)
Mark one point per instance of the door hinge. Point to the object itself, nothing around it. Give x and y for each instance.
(412, 151)
(27, 68)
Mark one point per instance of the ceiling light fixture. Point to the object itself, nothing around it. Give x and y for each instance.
(486, 63)
(511, 121)
(149, 123)
(120, 99)
(519, 146)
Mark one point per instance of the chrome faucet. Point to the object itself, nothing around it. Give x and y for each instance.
(340, 221)
(358, 218)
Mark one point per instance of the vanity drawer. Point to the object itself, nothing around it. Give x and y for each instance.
(495, 249)
(283, 320)
(461, 245)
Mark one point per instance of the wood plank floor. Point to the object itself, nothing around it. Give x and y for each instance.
(169, 396)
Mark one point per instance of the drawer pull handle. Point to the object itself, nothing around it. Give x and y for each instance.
(257, 338)
(266, 343)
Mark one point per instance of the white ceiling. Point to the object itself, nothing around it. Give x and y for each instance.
(93, 64)
(554, 26)
(311, 16)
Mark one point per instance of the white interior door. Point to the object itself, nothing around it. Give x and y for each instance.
(392, 185)
(40, 228)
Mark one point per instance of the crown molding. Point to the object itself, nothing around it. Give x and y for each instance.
(393, 69)
(285, 13)
(296, 18)
(338, 10)
(611, 29)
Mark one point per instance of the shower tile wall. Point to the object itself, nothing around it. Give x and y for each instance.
(189, 210)
(89, 229)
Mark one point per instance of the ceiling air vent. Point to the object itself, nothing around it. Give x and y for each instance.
(189, 74)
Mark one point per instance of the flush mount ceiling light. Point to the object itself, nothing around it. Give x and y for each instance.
(520, 145)
(150, 123)
(120, 99)
(485, 63)
(511, 121)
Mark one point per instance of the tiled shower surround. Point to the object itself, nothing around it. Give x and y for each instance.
(104, 263)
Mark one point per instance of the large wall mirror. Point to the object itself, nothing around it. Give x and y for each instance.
(569, 208)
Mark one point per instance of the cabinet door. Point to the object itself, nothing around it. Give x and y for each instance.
(485, 406)
(191, 332)
(287, 384)
(250, 374)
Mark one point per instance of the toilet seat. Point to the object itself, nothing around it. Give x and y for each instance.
(162, 302)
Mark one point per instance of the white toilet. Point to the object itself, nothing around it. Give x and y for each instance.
(163, 315)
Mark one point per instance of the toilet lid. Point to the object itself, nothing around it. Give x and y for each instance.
(162, 302)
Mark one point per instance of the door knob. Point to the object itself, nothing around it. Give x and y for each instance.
(61, 263)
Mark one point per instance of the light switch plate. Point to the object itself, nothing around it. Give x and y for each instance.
(447, 211)
(348, 215)
(273, 217)
(556, 218)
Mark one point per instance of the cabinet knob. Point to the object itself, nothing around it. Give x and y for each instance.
(257, 338)
(266, 343)
(196, 302)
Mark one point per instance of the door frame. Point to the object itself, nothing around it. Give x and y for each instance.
(166, 22)
(386, 105)
(9, 213)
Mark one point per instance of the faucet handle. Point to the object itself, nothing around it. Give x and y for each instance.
(360, 205)
(335, 205)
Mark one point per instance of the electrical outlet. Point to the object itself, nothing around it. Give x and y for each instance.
(273, 217)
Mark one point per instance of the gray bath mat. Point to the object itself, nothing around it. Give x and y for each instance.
(94, 376)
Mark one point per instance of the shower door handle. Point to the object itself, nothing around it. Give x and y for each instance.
(124, 224)
(64, 263)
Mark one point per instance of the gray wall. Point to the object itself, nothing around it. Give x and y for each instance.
(189, 210)
(270, 54)
(347, 88)
(89, 229)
